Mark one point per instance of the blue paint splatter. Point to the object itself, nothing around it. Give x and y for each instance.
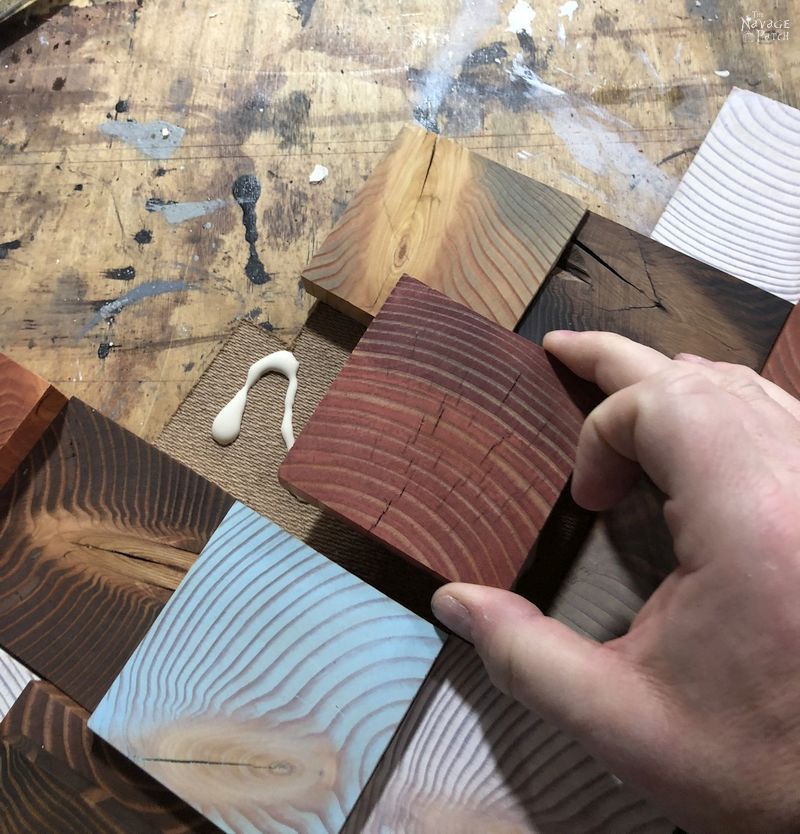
(152, 288)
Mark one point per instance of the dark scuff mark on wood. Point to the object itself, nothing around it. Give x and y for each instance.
(59, 83)
(122, 273)
(289, 118)
(287, 214)
(7, 247)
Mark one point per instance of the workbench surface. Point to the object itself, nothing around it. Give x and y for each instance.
(124, 302)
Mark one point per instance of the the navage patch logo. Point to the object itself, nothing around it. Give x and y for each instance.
(757, 28)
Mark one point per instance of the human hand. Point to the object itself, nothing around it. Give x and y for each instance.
(698, 705)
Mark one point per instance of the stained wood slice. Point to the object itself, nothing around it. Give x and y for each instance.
(469, 760)
(56, 724)
(40, 794)
(14, 677)
(444, 437)
(475, 230)
(783, 365)
(738, 205)
(612, 278)
(271, 684)
(29, 404)
(96, 529)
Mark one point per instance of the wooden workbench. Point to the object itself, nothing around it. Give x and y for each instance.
(608, 106)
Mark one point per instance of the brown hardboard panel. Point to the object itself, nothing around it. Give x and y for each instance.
(612, 278)
(477, 231)
(97, 528)
(444, 437)
(248, 468)
(56, 724)
(29, 404)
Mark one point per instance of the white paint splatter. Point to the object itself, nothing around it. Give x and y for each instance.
(561, 35)
(474, 19)
(318, 174)
(678, 53)
(568, 9)
(636, 187)
(520, 70)
(520, 18)
(524, 154)
(649, 66)
(722, 73)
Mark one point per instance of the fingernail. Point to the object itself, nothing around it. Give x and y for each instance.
(562, 334)
(448, 610)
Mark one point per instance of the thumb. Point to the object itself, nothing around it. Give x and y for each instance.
(587, 689)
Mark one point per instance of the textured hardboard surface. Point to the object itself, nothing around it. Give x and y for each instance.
(783, 365)
(248, 468)
(29, 404)
(738, 205)
(57, 725)
(96, 528)
(444, 437)
(612, 278)
(269, 687)
(481, 233)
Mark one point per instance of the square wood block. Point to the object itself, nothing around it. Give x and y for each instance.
(270, 685)
(29, 405)
(445, 437)
(477, 231)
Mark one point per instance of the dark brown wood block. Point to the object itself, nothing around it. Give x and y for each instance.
(28, 405)
(56, 724)
(612, 278)
(97, 528)
(479, 232)
(38, 793)
(445, 437)
(783, 364)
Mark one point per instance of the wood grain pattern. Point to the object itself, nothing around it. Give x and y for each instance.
(612, 278)
(738, 205)
(783, 364)
(96, 530)
(29, 404)
(269, 687)
(57, 725)
(444, 437)
(14, 677)
(469, 760)
(480, 233)
(39, 794)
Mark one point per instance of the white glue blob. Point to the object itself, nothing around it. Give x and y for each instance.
(228, 423)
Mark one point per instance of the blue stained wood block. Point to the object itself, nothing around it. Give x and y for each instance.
(270, 685)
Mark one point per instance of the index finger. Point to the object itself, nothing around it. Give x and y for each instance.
(611, 361)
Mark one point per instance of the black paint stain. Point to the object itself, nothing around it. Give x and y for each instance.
(103, 350)
(78, 187)
(143, 236)
(160, 172)
(267, 325)
(59, 83)
(676, 154)
(254, 313)
(188, 367)
(490, 54)
(304, 9)
(122, 106)
(534, 59)
(155, 203)
(7, 247)
(122, 273)
(246, 191)
(289, 119)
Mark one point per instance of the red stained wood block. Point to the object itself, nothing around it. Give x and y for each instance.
(28, 405)
(445, 437)
(783, 364)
